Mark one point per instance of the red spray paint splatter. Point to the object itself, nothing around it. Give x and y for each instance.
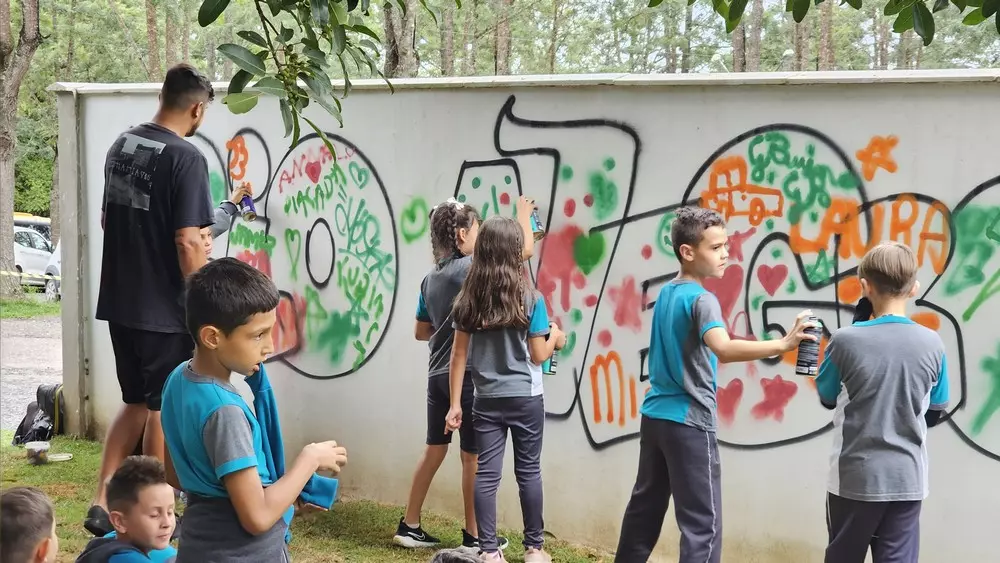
(772, 277)
(590, 300)
(259, 260)
(628, 304)
(777, 393)
(736, 241)
(579, 280)
(588, 200)
(647, 252)
(604, 338)
(728, 399)
(290, 323)
(727, 288)
(505, 198)
(569, 208)
(558, 267)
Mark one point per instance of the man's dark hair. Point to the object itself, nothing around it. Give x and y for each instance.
(134, 474)
(225, 293)
(690, 223)
(26, 518)
(184, 86)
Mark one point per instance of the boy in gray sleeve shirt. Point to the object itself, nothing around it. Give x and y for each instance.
(887, 378)
(224, 217)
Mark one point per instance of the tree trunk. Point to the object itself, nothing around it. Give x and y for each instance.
(686, 46)
(501, 38)
(903, 48)
(170, 36)
(469, 33)
(227, 64)
(210, 56)
(71, 35)
(15, 60)
(54, 197)
(400, 34)
(185, 32)
(740, 48)
(826, 54)
(153, 43)
(448, 40)
(753, 39)
(554, 37)
(802, 45)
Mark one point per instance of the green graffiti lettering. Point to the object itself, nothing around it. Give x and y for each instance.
(252, 240)
(588, 251)
(414, 220)
(663, 242)
(361, 233)
(359, 174)
(315, 199)
(989, 290)
(975, 243)
(605, 194)
(992, 403)
(821, 270)
(293, 245)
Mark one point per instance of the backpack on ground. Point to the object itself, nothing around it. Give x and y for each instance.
(45, 416)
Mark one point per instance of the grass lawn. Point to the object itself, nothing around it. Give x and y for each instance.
(27, 307)
(354, 530)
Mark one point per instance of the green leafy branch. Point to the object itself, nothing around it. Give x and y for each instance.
(293, 63)
(910, 14)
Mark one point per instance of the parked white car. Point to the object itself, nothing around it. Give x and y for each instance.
(53, 285)
(31, 254)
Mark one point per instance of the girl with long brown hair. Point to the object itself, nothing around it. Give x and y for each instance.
(502, 335)
(454, 226)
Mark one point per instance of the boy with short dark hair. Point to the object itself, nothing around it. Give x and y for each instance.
(229, 459)
(887, 378)
(141, 509)
(27, 527)
(678, 450)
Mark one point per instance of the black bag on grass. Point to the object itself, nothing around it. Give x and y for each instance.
(45, 416)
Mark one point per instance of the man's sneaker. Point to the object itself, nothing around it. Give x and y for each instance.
(413, 537)
(98, 522)
(470, 543)
(536, 555)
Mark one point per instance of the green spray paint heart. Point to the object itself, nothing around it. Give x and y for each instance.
(293, 244)
(413, 221)
(588, 251)
(358, 174)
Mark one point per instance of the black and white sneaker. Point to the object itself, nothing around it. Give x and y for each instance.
(470, 543)
(413, 537)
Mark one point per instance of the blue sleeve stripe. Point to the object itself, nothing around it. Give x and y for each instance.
(539, 324)
(235, 465)
(709, 326)
(828, 382)
(422, 314)
(939, 393)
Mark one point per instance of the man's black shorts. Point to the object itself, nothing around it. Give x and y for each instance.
(438, 405)
(144, 359)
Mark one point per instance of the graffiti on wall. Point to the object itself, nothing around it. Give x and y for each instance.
(799, 215)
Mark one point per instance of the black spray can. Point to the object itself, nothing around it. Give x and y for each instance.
(247, 210)
(807, 363)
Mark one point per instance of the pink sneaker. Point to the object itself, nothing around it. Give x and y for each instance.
(492, 557)
(535, 555)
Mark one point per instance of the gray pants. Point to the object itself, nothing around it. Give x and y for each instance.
(678, 460)
(892, 529)
(491, 419)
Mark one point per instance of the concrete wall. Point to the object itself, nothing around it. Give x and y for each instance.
(829, 165)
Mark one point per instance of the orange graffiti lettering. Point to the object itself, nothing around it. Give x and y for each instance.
(843, 219)
(603, 363)
(878, 154)
(239, 158)
(927, 319)
(849, 290)
(724, 199)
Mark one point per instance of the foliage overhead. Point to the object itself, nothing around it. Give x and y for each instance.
(910, 14)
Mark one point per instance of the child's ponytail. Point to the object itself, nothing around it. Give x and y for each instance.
(446, 219)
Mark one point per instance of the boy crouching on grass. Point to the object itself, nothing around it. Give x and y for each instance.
(229, 459)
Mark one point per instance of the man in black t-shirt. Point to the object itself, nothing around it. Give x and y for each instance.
(156, 201)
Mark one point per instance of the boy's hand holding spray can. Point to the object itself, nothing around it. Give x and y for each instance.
(243, 199)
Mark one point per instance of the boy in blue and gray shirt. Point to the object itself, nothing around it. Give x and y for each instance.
(887, 378)
(678, 450)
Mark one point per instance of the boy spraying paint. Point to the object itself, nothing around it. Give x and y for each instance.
(678, 451)
(887, 378)
(224, 217)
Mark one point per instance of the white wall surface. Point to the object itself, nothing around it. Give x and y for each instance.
(346, 241)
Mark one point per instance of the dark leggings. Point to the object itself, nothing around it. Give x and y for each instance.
(525, 418)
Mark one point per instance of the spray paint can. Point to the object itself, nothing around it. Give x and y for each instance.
(247, 210)
(807, 363)
(549, 365)
(537, 228)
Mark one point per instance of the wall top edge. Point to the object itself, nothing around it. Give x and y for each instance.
(629, 80)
